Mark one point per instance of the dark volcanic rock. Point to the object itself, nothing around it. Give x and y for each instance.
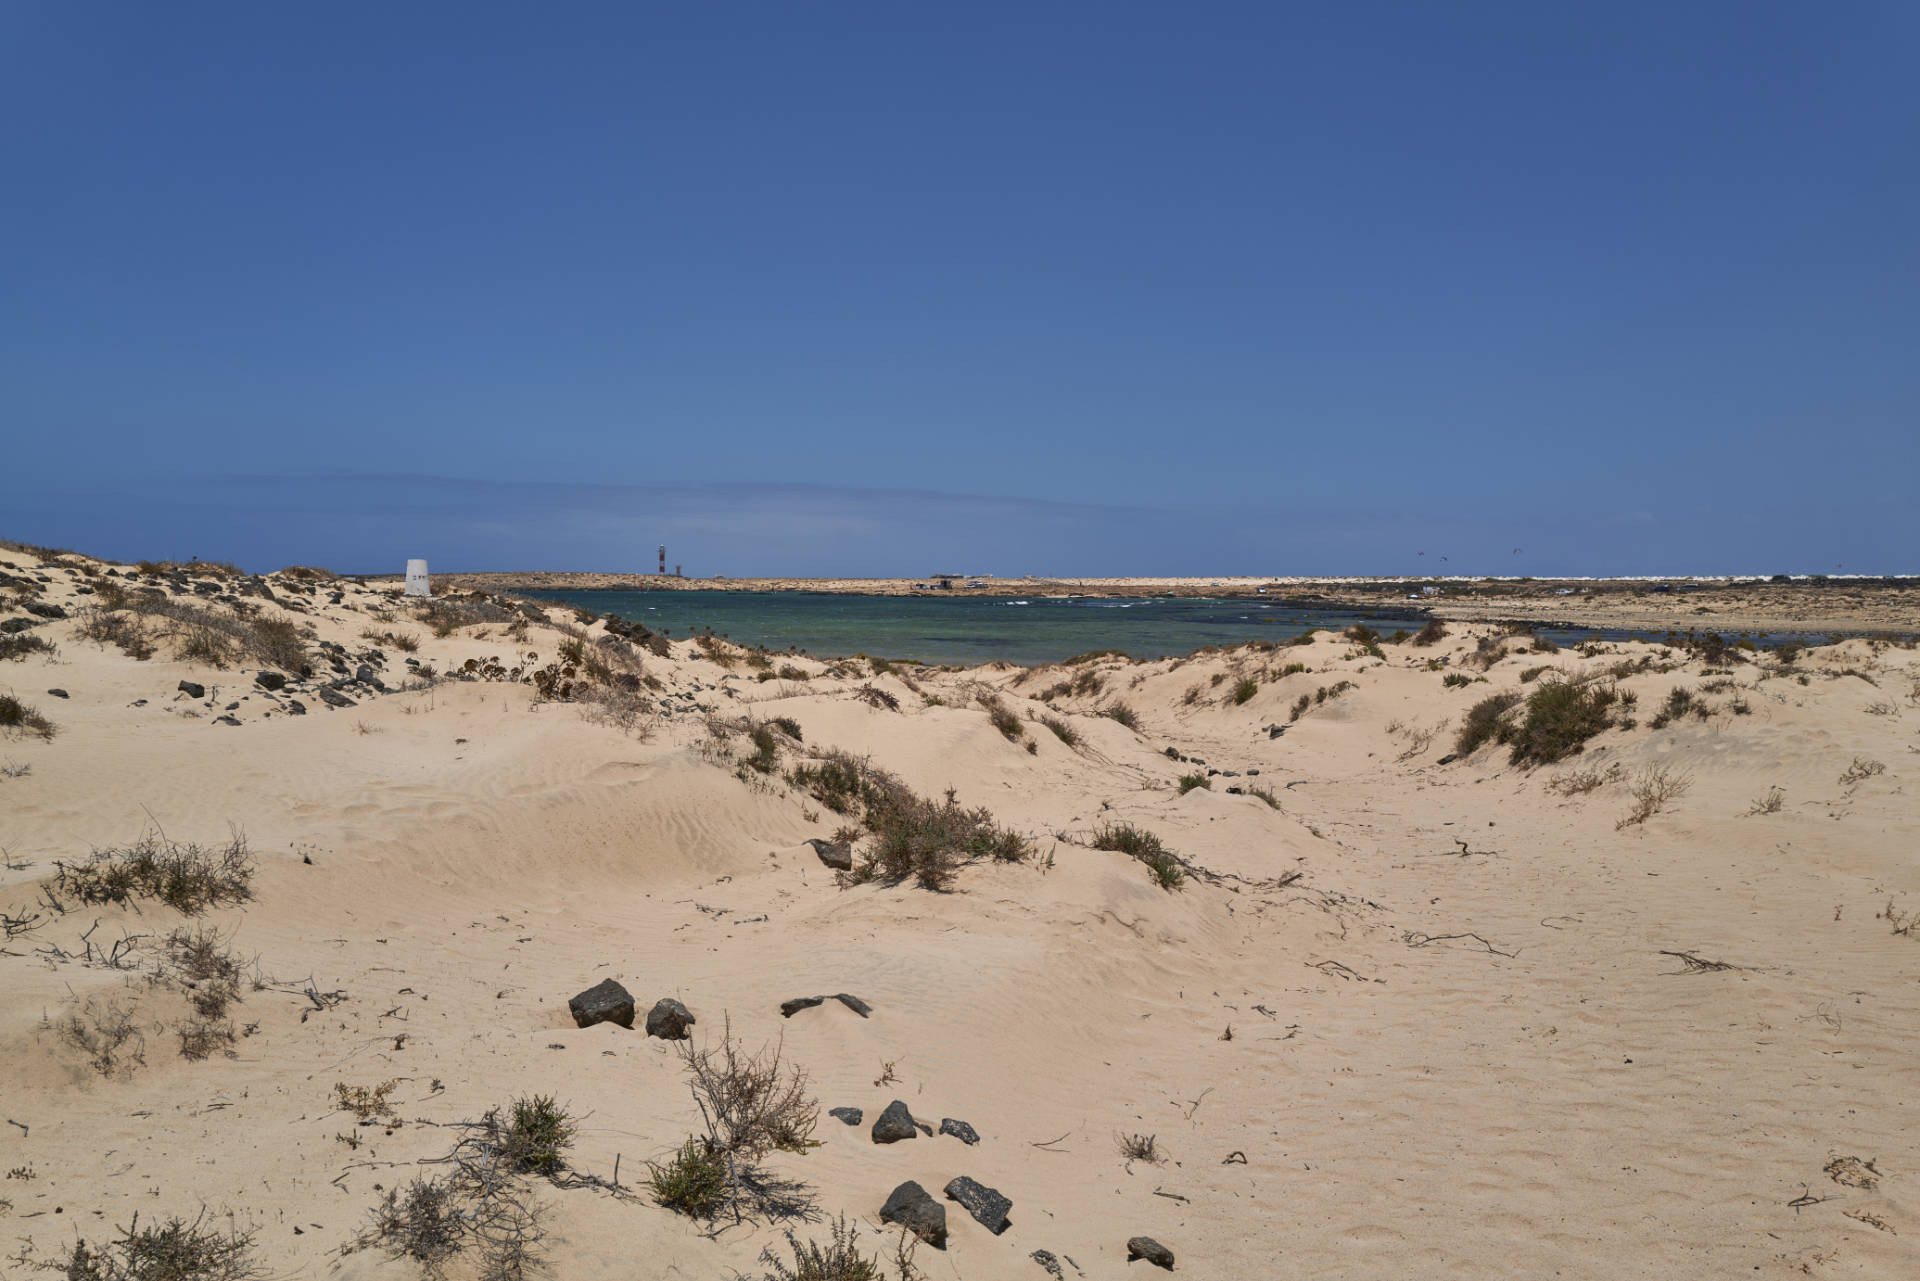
(46, 611)
(225, 720)
(959, 1130)
(296, 707)
(985, 1204)
(56, 693)
(270, 680)
(851, 1116)
(1046, 1260)
(837, 854)
(192, 690)
(13, 625)
(918, 1213)
(334, 698)
(669, 1020)
(792, 1007)
(604, 1002)
(1151, 1250)
(895, 1124)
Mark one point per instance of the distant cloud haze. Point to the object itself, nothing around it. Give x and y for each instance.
(372, 524)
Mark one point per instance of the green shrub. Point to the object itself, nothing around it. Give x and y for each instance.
(1004, 718)
(1483, 721)
(1292, 668)
(1560, 717)
(1125, 838)
(1244, 691)
(538, 1134)
(1455, 680)
(1680, 702)
(913, 836)
(1061, 730)
(788, 726)
(1188, 782)
(1124, 714)
(693, 1181)
(1434, 632)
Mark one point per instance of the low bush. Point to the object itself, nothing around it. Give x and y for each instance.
(1654, 789)
(693, 1181)
(1188, 782)
(1483, 721)
(839, 1259)
(1138, 843)
(17, 717)
(175, 1250)
(16, 646)
(536, 1135)
(1560, 717)
(1244, 690)
(1434, 632)
(912, 836)
(1004, 718)
(1681, 701)
(1061, 730)
(1122, 713)
(189, 878)
(1456, 680)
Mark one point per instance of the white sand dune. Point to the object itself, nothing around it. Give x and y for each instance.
(1442, 1064)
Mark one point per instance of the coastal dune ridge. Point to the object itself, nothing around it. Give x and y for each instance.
(368, 936)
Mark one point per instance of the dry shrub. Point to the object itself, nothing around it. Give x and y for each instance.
(751, 1105)
(185, 877)
(1434, 632)
(107, 1032)
(483, 1201)
(839, 1259)
(176, 1250)
(1580, 782)
(1771, 803)
(16, 646)
(1654, 788)
(17, 717)
(1861, 770)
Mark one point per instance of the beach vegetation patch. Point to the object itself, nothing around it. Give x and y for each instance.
(188, 878)
(18, 718)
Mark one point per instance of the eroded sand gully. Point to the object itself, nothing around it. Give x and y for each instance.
(1466, 1036)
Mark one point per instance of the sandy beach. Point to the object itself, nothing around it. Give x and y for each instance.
(1385, 1006)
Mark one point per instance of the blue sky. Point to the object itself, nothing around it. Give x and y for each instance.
(876, 289)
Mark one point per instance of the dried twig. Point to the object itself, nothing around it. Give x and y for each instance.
(1417, 938)
(1693, 963)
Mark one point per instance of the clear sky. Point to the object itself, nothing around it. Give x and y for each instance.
(1007, 288)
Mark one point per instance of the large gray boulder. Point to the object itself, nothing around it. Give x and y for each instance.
(918, 1213)
(895, 1124)
(669, 1020)
(985, 1204)
(604, 1002)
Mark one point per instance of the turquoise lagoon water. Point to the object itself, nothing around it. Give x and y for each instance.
(970, 629)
